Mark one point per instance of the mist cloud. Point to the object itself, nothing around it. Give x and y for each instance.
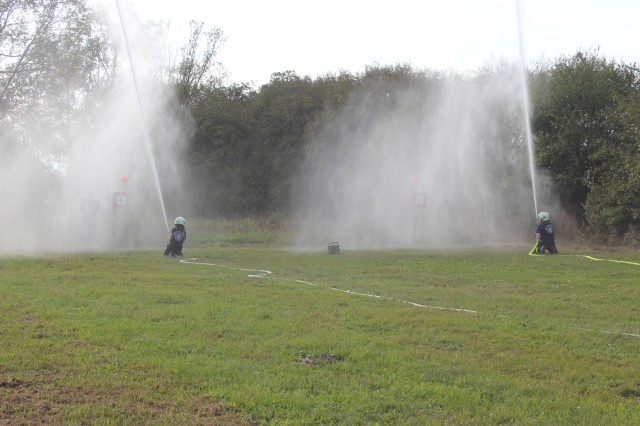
(457, 143)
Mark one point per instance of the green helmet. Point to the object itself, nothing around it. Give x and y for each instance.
(543, 216)
(180, 221)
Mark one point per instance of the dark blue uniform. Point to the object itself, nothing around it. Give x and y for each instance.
(176, 240)
(547, 241)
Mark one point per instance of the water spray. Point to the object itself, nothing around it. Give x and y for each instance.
(526, 109)
(143, 120)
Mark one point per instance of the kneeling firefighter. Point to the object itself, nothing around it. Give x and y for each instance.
(177, 237)
(545, 234)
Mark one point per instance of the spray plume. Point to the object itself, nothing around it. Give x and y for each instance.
(440, 162)
(526, 102)
(143, 120)
(69, 202)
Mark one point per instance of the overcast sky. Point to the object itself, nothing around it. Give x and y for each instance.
(317, 37)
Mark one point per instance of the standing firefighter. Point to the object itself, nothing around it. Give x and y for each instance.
(177, 237)
(545, 234)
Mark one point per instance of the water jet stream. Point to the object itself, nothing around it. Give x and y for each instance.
(143, 120)
(526, 109)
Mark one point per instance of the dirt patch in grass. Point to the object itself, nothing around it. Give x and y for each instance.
(24, 402)
(324, 358)
(42, 402)
(629, 391)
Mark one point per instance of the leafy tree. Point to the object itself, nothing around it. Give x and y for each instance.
(193, 70)
(573, 102)
(285, 107)
(249, 144)
(197, 61)
(613, 204)
(222, 155)
(53, 53)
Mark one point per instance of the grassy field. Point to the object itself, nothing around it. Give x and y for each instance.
(489, 337)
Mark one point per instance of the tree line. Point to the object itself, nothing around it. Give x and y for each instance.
(248, 143)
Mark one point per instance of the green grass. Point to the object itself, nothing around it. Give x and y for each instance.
(206, 232)
(136, 338)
